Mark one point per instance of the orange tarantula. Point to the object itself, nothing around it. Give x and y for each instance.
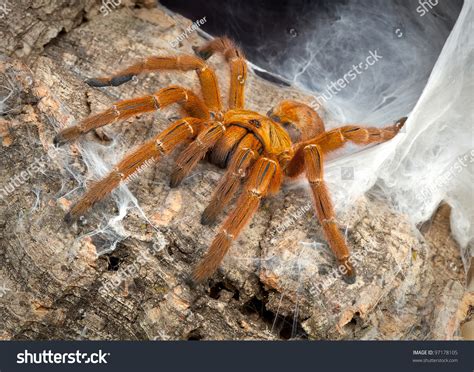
(259, 150)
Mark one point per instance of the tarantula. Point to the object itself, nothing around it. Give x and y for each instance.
(257, 149)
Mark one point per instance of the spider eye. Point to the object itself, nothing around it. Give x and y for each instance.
(255, 123)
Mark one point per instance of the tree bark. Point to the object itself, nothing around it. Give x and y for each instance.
(128, 280)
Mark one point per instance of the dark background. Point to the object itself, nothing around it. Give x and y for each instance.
(311, 43)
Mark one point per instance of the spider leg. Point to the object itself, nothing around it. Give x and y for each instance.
(313, 161)
(264, 178)
(191, 103)
(207, 77)
(336, 138)
(357, 134)
(365, 136)
(162, 144)
(238, 67)
(244, 156)
(195, 151)
(220, 152)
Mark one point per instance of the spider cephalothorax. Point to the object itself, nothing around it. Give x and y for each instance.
(257, 150)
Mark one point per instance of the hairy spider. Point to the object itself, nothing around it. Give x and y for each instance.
(257, 149)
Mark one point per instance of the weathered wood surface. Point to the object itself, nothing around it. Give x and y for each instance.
(278, 279)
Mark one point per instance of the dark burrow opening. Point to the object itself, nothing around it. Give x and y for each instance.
(286, 327)
(216, 288)
(353, 323)
(113, 263)
(194, 335)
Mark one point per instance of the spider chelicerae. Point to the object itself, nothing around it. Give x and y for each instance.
(259, 151)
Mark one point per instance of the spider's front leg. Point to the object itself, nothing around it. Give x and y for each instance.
(207, 77)
(192, 105)
(238, 67)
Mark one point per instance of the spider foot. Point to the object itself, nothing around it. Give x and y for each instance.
(400, 123)
(190, 282)
(74, 216)
(107, 82)
(208, 217)
(69, 219)
(350, 279)
(66, 135)
(175, 180)
(348, 272)
(203, 54)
